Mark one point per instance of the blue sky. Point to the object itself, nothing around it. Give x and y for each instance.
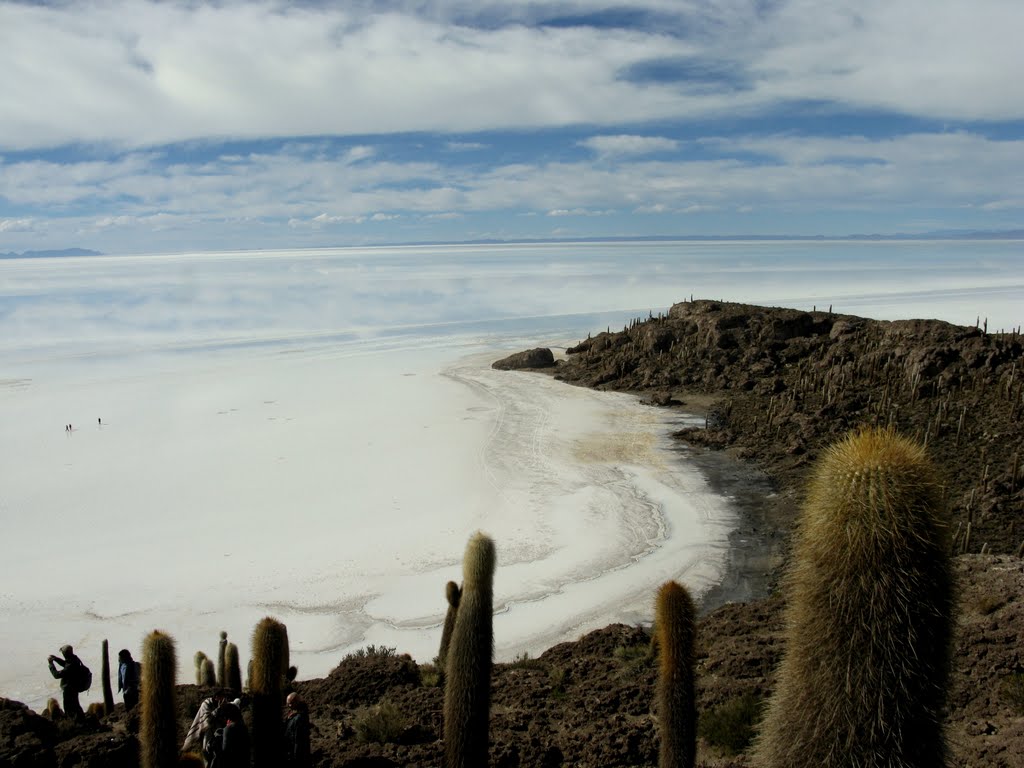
(155, 127)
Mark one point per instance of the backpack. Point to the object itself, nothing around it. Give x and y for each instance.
(82, 681)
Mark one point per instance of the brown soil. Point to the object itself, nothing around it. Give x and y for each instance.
(777, 385)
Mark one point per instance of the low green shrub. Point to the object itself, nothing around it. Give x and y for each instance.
(732, 725)
(380, 724)
(371, 651)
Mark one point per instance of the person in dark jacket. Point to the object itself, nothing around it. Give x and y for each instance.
(231, 746)
(69, 674)
(128, 678)
(296, 733)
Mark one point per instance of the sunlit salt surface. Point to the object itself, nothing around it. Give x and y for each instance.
(314, 435)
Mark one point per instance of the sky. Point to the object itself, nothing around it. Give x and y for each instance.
(151, 127)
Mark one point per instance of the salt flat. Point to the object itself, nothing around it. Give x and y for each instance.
(315, 435)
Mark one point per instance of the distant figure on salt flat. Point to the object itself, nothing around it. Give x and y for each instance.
(99, 421)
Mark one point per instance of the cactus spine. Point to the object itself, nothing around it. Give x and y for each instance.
(467, 695)
(675, 622)
(266, 680)
(452, 593)
(158, 725)
(863, 676)
(108, 692)
(233, 668)
(222, 679)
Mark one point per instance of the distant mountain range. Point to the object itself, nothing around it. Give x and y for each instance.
(50, 254)
(949, 234)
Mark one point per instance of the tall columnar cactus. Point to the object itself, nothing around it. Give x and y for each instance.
(467, 696)
(198, 660)
(269, 662)
(863, 677)
(108, 692)
(208, 674)
(158, 724)
(675, 622)
(232, 668)
(452, 594)
(222, 679)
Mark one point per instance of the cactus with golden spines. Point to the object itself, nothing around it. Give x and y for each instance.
(266, 681)
(676, 628)
(864, 673)
(158, 723)
(467, 695)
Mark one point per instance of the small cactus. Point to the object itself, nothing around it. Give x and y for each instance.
(221, 650)
(198, 660)
(452, 594)
(233, 668)
(208, 674)
(467, 696)
(677, 712)
(108, 692)
(158, 724)
(863, 676)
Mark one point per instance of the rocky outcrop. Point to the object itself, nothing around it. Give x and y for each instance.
(541, 357)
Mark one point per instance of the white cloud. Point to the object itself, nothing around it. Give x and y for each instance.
(629, 145)
(16, 225)
(577, 212)
(465, 146)
(147, 73)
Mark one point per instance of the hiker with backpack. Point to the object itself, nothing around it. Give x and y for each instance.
(74, 678)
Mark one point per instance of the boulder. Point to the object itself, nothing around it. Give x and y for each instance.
(540, 357)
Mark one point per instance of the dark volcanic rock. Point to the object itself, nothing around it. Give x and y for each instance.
(540, 357)
(26, 739)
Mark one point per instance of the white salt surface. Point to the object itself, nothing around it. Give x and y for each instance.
(315, 435)
(336, 493)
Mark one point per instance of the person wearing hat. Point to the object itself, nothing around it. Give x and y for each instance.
(296, 732)
(69, 675)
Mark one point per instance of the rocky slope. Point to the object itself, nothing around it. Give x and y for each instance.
(776, 385)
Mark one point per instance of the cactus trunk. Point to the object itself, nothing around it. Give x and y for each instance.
(467, 696)
(158, 724)
(863, 677)
(232, 668)
(108, 692)
(222, 678)
(677, 711)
